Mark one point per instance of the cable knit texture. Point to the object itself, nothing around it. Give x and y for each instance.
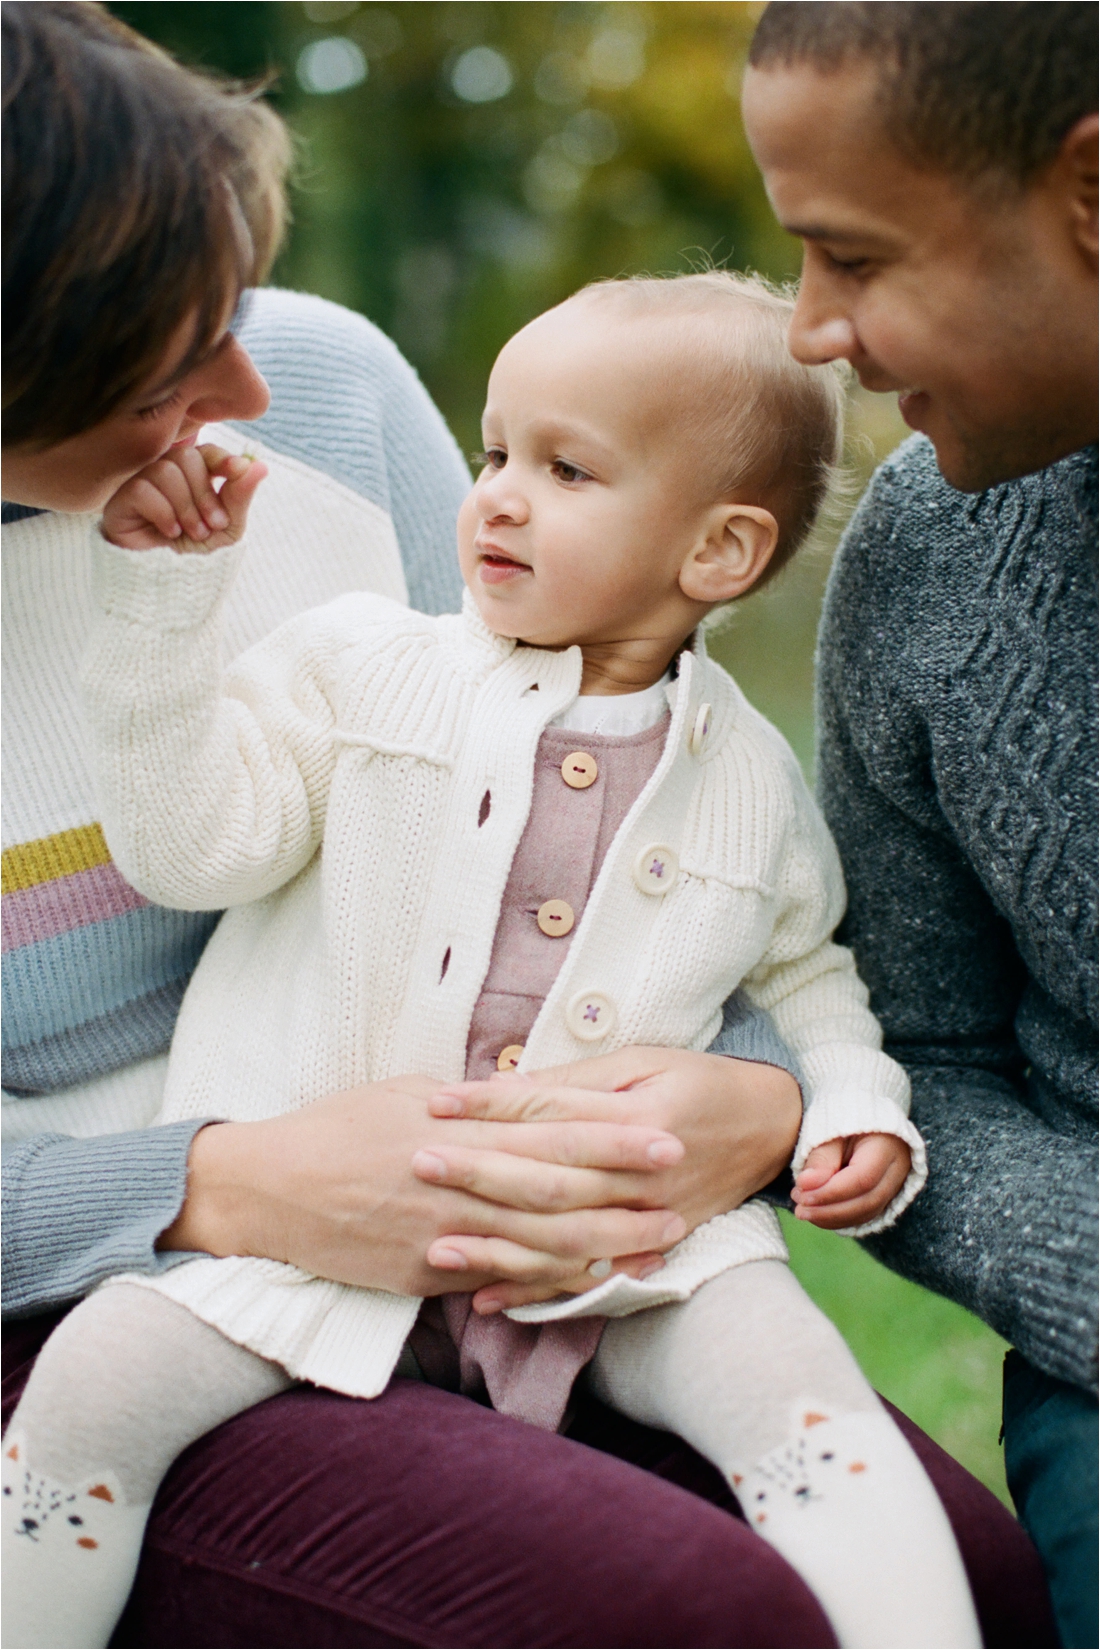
(957, 764)
(378, 731)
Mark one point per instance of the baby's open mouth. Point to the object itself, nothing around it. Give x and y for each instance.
(497, 566)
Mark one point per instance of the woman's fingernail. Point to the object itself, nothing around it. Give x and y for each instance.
(664, 1152)
(651, 1266)
(218, 518)
(448, 1260)
(447, 1105)
(600, 1269)
(488, 1308)
(175, 531)
(674, 1231)
(427, 1163)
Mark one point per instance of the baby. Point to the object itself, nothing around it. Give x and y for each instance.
(545, 828)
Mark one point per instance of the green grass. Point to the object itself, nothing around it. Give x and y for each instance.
(931, 1358)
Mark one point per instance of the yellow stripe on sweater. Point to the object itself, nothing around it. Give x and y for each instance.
(30, 863)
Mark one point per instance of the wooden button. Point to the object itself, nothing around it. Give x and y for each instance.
(700, 730)
(656, 869)
(508, 1058)
(579, 770)
(555, 917)
(590, 1016)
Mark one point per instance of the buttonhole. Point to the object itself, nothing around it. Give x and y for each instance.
(483, 811)
(446, 965)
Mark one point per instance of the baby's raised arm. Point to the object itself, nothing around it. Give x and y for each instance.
(174, 501)
(213, 783)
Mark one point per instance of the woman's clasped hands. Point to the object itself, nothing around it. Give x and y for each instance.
(516, 1189)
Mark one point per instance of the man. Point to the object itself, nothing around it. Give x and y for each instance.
(939, 163)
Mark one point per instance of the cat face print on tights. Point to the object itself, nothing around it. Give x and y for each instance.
(814, 1464)
(43, 1510)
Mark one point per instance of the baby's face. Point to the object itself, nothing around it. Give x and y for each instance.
(577, 527)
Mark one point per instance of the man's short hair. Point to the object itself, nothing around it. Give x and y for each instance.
(967, 88)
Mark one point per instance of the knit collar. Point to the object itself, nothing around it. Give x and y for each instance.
(485, 643)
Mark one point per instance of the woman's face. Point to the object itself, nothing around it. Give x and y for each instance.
(168, 411)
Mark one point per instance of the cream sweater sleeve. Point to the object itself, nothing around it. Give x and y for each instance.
(213, 785)
(819, 1006)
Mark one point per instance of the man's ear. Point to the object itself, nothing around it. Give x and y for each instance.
(1077, 160)
(739, 543)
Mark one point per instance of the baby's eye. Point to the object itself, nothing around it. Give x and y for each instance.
(568, 472)
(495, 458)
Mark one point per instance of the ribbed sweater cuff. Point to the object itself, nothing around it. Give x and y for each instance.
(163, 589)
(76, 1211)
(1052, 1317)
(838, 1116)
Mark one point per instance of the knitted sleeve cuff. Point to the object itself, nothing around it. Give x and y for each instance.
(76, 1211)
(838, 1115)
(162, 589)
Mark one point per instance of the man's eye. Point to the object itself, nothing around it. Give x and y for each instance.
(494, 459)
(850, 266)
(568, 472)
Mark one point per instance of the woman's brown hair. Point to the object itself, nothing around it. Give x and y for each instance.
(138, 196)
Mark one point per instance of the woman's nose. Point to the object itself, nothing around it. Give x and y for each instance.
(820, 330)
(229, 386)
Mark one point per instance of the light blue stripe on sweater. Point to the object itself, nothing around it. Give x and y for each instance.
(344, 400)
(64, 982)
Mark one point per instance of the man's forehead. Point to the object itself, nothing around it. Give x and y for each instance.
(831, 171)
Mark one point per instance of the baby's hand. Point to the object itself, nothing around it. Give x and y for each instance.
(173, 501)
(849, 1182)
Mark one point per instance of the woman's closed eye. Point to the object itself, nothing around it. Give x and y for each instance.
(159, 407)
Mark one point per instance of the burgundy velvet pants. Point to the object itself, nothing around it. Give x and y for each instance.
(422, 1518)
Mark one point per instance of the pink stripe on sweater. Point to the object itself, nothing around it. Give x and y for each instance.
(51, 908)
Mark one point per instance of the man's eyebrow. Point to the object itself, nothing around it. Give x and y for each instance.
(825, 232)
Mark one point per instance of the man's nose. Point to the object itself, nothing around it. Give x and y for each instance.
(229, 386)
(820, 330)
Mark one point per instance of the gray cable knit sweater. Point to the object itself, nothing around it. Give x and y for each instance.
(957, 771)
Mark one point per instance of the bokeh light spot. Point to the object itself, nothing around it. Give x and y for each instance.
(331, 65)
(590, 138)
(616, 57)
(481, 75)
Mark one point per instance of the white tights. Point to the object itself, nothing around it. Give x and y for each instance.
(747, 1371)
(754, 1377)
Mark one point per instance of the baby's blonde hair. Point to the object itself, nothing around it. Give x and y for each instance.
(767, 430)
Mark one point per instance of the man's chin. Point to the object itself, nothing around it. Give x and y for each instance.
(971, 463)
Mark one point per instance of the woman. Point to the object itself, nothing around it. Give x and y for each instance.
(144, 201)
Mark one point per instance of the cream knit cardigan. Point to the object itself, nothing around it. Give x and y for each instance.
(328, 788)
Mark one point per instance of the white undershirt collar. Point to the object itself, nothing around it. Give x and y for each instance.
(618, 714)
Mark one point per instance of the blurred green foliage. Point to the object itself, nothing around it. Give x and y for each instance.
(462, 166)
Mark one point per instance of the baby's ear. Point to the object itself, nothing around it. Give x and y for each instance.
(731, 555)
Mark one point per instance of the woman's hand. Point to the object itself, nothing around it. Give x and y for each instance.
(173, 501)
(331, 1188)
(738, 1121)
